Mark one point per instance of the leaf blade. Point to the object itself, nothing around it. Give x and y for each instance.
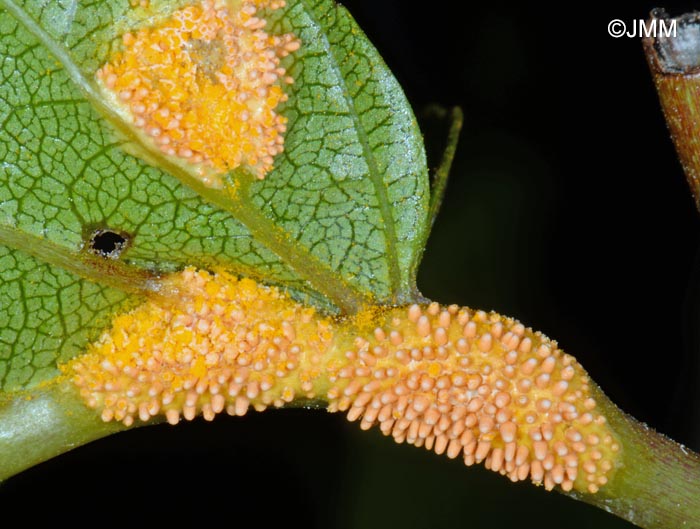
(98, 184)
(47, 315)
(71, 164)
(389, 192)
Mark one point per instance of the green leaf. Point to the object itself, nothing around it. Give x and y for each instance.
(64, 169)
(352, 185)
(339, 221)
(47, 314)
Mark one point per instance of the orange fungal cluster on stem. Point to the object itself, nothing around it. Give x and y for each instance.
(204, 86)
(223, 345)
(476, 385)
(461, 382)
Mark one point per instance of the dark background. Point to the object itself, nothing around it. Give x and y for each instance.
(566, 209)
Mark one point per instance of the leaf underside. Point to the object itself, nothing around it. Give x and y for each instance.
(349, 195)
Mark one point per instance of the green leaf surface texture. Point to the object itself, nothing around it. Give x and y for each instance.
(349, 193)
(47, 315)
(352, 184)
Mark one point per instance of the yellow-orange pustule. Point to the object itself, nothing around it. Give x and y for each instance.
(204, 85)
(461, 382)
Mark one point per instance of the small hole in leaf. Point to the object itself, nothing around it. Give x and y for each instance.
(108, 243)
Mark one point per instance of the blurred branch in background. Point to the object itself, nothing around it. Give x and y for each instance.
(674, 60)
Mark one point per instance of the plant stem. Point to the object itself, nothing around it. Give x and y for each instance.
(649, 480)
(42, 424)
(657, 485)
(675, 67)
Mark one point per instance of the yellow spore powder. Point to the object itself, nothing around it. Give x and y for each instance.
(204, 85)
(457, 381)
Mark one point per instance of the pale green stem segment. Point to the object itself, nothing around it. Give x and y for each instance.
(657, 483)
(42, 424)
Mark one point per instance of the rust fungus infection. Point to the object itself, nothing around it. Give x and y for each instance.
(225, 344)
(204, 86)
(478, 386)
(460, 382)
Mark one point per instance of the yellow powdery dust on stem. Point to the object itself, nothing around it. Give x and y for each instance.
(204, 86)
(461, 382)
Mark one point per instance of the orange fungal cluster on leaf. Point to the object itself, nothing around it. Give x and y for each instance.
(465, 383)
(205, 84)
